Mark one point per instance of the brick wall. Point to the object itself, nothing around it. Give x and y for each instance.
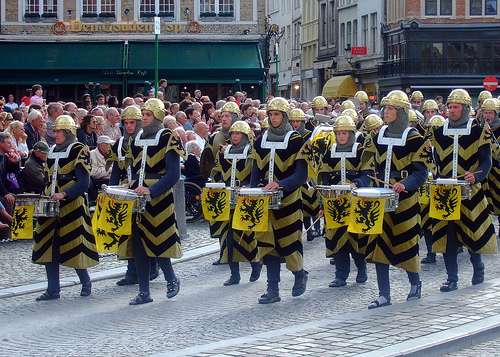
(11, 10)
(246, 10)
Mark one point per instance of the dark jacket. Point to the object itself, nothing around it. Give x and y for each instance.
(33, 179)
(88, 139)
(33, 135)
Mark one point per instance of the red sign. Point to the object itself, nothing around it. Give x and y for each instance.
(490, 83)
(359, 51)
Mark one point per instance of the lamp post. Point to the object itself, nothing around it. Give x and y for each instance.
(275, 32)
(157, 29)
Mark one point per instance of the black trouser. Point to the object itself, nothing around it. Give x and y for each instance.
(451, 253)
(52, 269)
(53, 285)
(131, 273)
(428, 242)
(343, 262)
(308, 221)
(143, 263)
(273, 267)
(383, 281)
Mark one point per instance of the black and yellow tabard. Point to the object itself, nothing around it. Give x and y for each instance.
(72, 228)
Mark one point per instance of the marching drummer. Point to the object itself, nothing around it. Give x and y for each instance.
(429, 109)
(155, 153)
(319, 105)
(277, 165)
(341, 167)
(121, 174)
(372, 124)
(310, 199)
(463, 148)
(489, 114)
(68, 170)
(239, 246)
(395, 155)
(230, 113)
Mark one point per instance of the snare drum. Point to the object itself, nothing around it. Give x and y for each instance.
(274, 200)
(333, 190)
(44, 206)
(126, 194)
(391, 197)
(465, 187)
(222, 186)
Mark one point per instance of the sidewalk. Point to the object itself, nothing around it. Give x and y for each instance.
(432, 326)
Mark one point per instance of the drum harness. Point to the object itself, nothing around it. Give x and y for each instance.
(145, 143)
(273, 146)
(343, 156)
(123, 158)
(391, 142)
(456, 134)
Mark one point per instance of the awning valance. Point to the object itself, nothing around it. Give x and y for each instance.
(339, 87)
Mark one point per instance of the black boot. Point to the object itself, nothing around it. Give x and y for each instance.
(48, 296)
(126, 281)
(256, 269)
(332, 261)
(362, 277)
(300, 285)
(448, 286)
(310, 235)
(141, 298)
(86, 289)
(233, 280)
(271, 296)
(173, 288)
(337, 283)
(478, 275)
(415, 292)
(429, 259)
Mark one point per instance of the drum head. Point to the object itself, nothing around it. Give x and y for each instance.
(446, 181)
(215, 185)
(120, 191)
(373, 192)
(252, 192)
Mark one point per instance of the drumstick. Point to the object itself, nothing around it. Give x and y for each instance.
(312, 224)
(476, 172)
(383, 182)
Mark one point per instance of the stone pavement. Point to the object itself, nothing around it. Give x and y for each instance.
(486, 349)
(205, 313)
(17, 269)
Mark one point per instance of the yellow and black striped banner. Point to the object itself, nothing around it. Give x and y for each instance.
(445, 202)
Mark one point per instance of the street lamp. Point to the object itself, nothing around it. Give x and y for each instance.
(275, 32)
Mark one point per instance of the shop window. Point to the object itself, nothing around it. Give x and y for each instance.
(40, 8)
(101, 8)
(161, 8)
(217, 8)
(483, 7)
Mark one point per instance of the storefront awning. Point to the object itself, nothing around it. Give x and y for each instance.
(370, 88)
(58, 62)
(339, 87)
(220, 62)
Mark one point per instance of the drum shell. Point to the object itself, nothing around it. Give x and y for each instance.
(126, 195)
(465, 188)
(44, 206)
(391, 198)
(332, 191)
(274, 200)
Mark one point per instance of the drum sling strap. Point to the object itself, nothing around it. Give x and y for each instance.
(234, 161)
(456, 134)
(56, 156)
(273, 146)
(390, 142)
(122, 158)
(343, 155)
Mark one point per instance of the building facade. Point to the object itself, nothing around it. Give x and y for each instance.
(309, 49)
(108, 45)
(358, 48)
(279, 13)
(325, 63)
(437, 45)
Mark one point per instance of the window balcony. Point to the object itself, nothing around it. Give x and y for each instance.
(448, 66)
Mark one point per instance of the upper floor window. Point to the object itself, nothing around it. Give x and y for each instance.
(483, 7)
(322, 19)
(438, 7)
(212, 8)
(40, 8)
(102, 8)
(162, 8)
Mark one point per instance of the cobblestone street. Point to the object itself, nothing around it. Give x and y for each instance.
(205, 312)
(17, 269)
